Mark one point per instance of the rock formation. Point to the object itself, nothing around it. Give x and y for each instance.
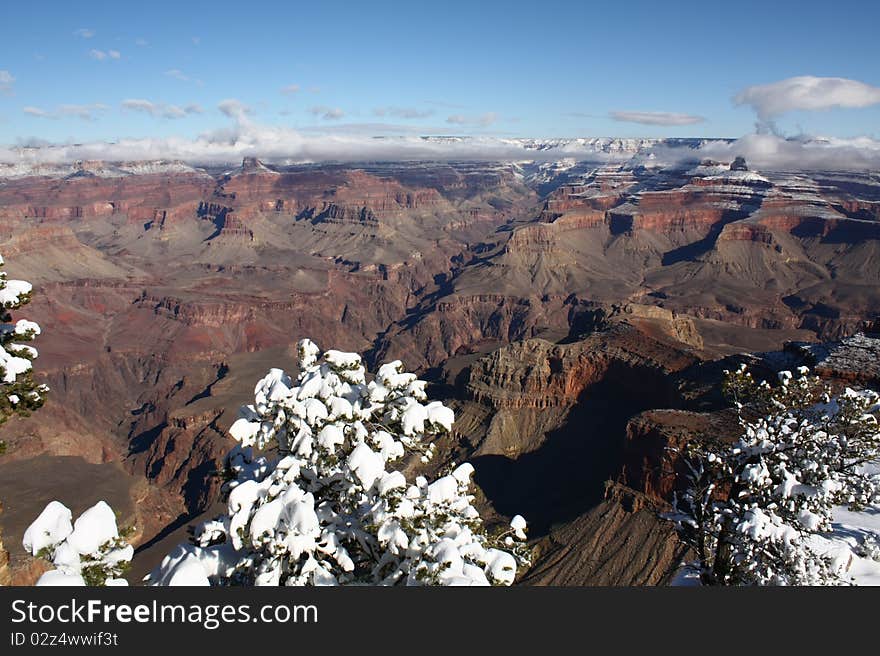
(565, 308)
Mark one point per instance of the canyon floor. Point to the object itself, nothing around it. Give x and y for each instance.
(577, 316)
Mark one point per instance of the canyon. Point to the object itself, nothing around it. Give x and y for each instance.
(577, 318)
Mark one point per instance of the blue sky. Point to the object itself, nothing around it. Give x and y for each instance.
(102, 71)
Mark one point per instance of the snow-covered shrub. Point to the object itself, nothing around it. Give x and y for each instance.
(89, 551)
(313, 498)
(753, 509)
(19, 394)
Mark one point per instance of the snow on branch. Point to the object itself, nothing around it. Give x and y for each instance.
(315, 498)
(758, 510)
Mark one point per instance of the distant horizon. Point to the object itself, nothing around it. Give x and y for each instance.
(288, 147)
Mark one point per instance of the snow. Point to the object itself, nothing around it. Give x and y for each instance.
(13, 366)
(391, 481)
(501, 566)
(340, 408)
(518, 524)
(90, 542)
(366, 464)
(463, 473)
(93, 528)
(330, 437)
(851, 532)
(315, 410)
(188, 565)
(413, 419)
(244, 431)
(52, 526)
(244, 496)
(29, 351)
(308, 351)
(329, 502)
(439, 414)
(299, 516)
(442, 490)
(265, 519)
(23, 326)
(342, 360)
(66, 557)
(188, 573)
(793, 467)
(56, 577)
(27, 167)
(9, 295)
(15, 358)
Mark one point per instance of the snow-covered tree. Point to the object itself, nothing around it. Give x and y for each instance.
(313, 498)
(753, 508)
(89, 551)
(19, 393)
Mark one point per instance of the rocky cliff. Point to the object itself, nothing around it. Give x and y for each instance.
(560, 307)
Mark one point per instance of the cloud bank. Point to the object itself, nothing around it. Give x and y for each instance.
(161, 110)
(656, 118)
(483, 120)
(772, 152)
(356, 143)
(403, 112)
(84, 112)
(808, 93)
(327, 113)
(235, 109)
(101, 55)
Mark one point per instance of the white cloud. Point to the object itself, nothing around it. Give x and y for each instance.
(772, 152)
(36, 111)
(177, 74)
(359, 142)
(370, 130)
(806, 92)
(290, 89)
(192, 108)
(140, 41)
(101, 55)
(327, 113)
(84, 32)
(84, 112)
(6, 81)
(139, 105)
(483, 120)
(443, 103)
(273, 144)
(403, 112)
(656, 118)
(234, 109)
(160, 110)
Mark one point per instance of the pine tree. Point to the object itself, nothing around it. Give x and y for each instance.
(312, 501)
(753, 508)
(20, 393)
(90, 551)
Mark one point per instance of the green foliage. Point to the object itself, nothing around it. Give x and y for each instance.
(24, 394)
(753, 505)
